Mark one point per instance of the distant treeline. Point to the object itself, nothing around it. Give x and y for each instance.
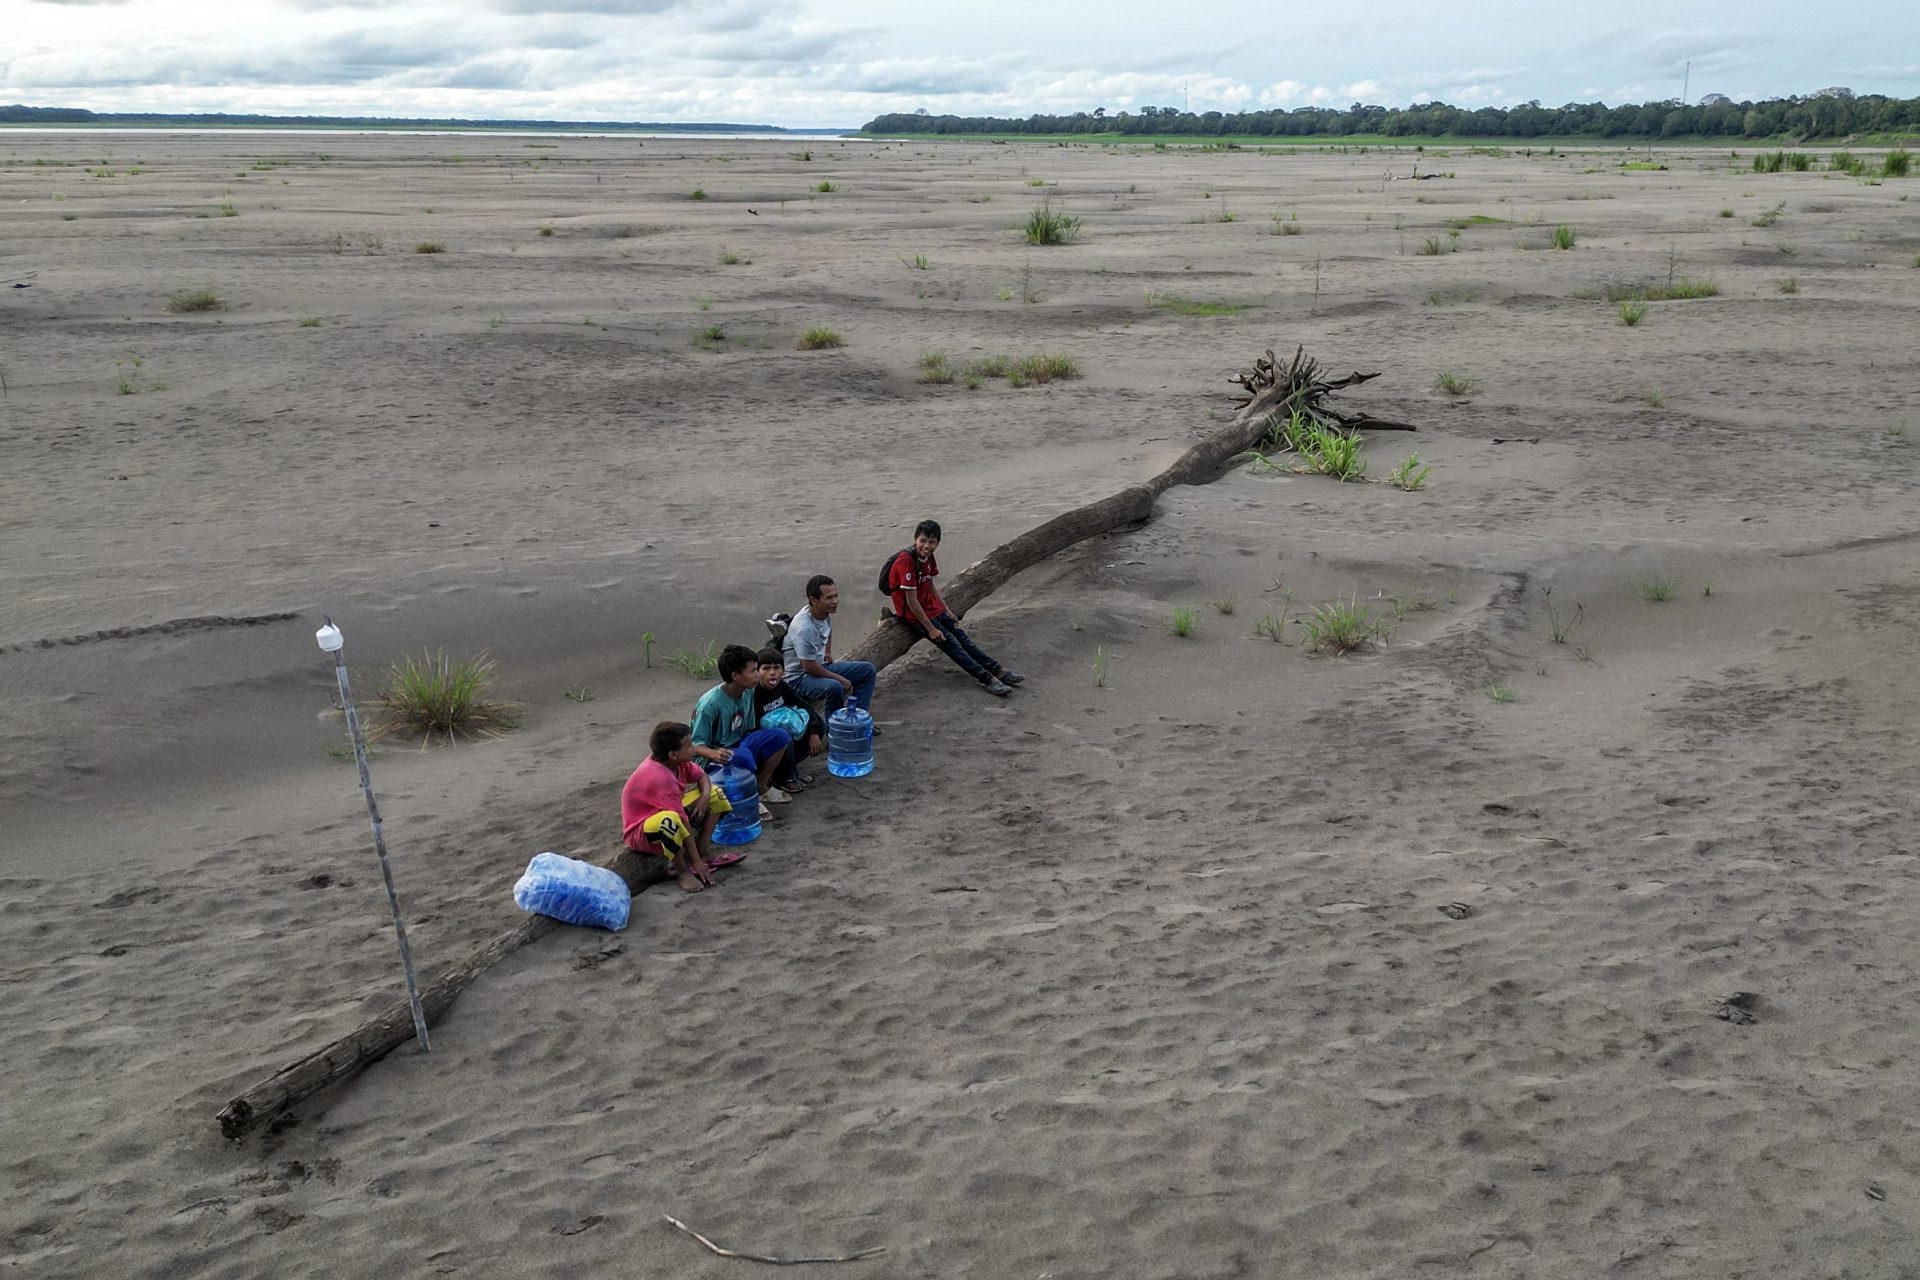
(215, 120)
(1829, 115)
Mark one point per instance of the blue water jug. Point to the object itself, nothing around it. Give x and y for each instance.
(742, 789)
(850, 741)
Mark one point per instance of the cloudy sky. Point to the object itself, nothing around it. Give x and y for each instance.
(837, 63)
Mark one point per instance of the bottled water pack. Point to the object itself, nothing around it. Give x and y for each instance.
(573, 892)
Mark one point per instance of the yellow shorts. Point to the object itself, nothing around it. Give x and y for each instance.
(667, 835)
(720, 804)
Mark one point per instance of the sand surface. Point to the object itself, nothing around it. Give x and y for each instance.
(1149, 979)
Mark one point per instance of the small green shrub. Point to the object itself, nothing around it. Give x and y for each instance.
(1632, 313)
(1788, 284)
(1897, 164)
(1726, 213)
(309, 322)
(429, 246)
(1454, 384)
(918, 262)
(819, 338)
(227, 210)
(698, 193)
(1657, 588)
(1046, 368)
(728, 258)
(1342, 627)
(546, 231)
(437, 696)
(1185, 618)
(1410, 475)
(186, 300)
(699, 663)
(1045, 226)
(1500, 692)
(827, 188)
(1562, 237)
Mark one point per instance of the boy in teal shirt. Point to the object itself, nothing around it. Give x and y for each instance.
(726, 727)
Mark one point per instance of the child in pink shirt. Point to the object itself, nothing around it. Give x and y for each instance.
(669, 807)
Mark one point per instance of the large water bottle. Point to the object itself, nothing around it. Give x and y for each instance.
(742, 789)
(850, 741)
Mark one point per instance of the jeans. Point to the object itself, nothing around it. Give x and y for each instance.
(755, 750)
(830, 692)
(956, 644)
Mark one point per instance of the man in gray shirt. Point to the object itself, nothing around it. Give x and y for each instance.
(808, 650)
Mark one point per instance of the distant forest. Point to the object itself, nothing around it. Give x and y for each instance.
(1832, 113)
(216, 120)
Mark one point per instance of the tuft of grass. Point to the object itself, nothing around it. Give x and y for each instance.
(1227, 604)
(1045, 368)
(1726, 213)
(1500, 692)
(934, 368)
(1561, 237)
(1653, 291)
(1185, 618)
(1657, 588)
(436, 696)
(1045, 226)
(1897, 432)
(972, 381)
(1656, 399)
(728, 258)
(699, 663)
(1770, 216)
(1343, 626)
(227, 210)
(698, 193)
(309, 322)
(186, 300)
(1451, 297)
(1181, 306)
(646, 646)
(1897, 164)
(1632, 313)
(991, 367)
(819, 338)
(1434, 246)
(1454, 384)
(1102, 666)
(827, 188)
(1560, 625)
(577, 693)
(1410, 475)
(1788, 284)
(918, 262)
(546, 231)
(430, 246)
(1323, 450)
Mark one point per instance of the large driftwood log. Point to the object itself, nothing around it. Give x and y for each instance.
(1272, 389)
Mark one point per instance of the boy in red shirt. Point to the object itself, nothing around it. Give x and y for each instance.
(669, 807)
(917, 604)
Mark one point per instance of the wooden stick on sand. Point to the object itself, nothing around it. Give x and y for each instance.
(761, 1257)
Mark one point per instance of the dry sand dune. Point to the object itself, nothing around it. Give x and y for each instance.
(1149, 979)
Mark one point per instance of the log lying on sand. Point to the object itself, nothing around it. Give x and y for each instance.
(1273, 389)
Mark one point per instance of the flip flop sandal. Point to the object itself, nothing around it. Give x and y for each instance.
(724, 860)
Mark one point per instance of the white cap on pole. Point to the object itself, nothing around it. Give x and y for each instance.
(329, 638)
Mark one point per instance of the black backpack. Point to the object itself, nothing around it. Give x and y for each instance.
(886, 570)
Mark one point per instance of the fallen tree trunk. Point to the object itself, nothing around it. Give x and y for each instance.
(1273, 389)
(393, 1026)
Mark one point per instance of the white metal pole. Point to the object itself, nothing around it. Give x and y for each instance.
(331, 641)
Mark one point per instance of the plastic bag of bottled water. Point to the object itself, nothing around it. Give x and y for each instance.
(573, 892)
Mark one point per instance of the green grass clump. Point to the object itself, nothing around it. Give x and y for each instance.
(934, 368)
(1323, 450)
(1454, 384)
(186, 300)
(227, 210)
(698, 193)
(1045, 226)
(827, 188)
(1342, 627)
(819, 338)
(918, 262)
(1451, 297)
(1475, 220)
(1185, 618)
(698, 663)
(1726, 213)
(1652, 291)
(1181, 306)
(728, 258)
(1500, 692)
(1562, 237)
(1410, 475)
(1657, 588)
(1632, 313)
(309, 322)
(1767, 217)
(991, 367)
(429, 246)
(1046, 368)
(1897, 164)
(1434, 246)
(1788, 284)
(435, 695)
(546, 231)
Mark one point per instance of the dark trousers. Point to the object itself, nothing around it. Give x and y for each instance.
(956, 644)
